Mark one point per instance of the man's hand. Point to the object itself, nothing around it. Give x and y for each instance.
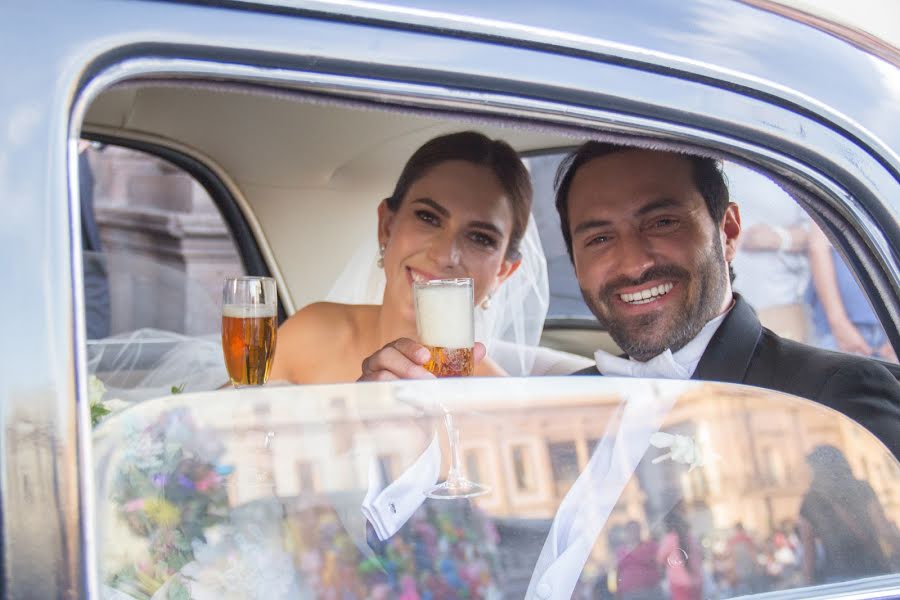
(403, 359)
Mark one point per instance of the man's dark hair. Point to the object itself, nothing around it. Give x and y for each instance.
(707, 174)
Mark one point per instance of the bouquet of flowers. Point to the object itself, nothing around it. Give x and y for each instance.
(169, 488)
(446, 551)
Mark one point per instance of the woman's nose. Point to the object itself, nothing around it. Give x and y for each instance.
(444, 250)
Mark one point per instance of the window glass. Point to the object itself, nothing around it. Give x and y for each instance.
(564, 464)
(783, 266)
(522, 468)
(155, 251)
(207, 495)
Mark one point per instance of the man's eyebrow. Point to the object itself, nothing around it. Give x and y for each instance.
(656, 205)
(592, 224)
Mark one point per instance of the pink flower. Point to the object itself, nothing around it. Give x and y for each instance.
(209, 480)
(133, 505)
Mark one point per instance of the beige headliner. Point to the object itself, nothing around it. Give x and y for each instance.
(308, 174)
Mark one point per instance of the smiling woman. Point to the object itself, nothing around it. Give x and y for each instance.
(460, 208)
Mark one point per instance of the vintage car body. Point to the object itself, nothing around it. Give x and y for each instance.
(816, 109)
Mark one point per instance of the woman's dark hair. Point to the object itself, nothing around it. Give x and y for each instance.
(478, 149)
(707, 174)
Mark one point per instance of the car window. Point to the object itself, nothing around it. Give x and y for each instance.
(155, 253)
(783, 268)
(599, 488)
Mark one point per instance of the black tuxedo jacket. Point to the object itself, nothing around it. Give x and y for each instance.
(743, 351)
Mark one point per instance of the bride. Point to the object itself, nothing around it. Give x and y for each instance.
(461, 208)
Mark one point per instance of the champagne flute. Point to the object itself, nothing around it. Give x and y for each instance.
(249, 306)
(445, 320)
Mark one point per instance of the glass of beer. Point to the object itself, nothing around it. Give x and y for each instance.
(446, 324)
(445, 320)
(249, 306)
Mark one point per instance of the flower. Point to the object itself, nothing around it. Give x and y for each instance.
(162, 512)
(682, 449)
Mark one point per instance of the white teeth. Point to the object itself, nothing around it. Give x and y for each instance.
(648, 295)
(416, 276)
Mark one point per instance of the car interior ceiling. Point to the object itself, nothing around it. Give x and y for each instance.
(339, 156)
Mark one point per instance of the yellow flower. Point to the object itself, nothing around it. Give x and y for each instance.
(162, 512)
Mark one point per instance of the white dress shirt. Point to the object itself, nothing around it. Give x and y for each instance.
(388, 508)
(680, 365)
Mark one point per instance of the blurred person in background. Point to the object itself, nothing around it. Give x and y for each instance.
(842, 317)
(771, 259)
(843, 529)
(682, 558)
(639, 575)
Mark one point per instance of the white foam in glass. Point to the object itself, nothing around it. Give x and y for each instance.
(248, 311)
(444, 313)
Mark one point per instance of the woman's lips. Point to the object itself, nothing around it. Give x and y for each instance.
(414, 275)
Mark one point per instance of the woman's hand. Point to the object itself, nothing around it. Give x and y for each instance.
(849, 339)
(403, 359)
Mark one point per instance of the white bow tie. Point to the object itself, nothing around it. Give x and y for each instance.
(661, 366)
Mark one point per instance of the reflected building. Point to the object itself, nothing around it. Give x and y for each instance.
(530, 454)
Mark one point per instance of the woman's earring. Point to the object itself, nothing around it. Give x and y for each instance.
(486, 303)
(380, 261)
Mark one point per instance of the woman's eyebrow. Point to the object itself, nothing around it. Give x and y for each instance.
(487, 226)
(446, 213)
(437, 207)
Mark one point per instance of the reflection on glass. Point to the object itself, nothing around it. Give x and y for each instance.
(456, 486)
(192, 474)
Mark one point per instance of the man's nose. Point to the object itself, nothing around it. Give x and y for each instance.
(634, 256)
(444, 250)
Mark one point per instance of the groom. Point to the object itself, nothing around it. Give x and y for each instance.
(651, 235)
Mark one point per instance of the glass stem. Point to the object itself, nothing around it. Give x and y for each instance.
(453, 475)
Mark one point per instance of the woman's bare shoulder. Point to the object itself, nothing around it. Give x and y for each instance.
(314, 337)
(327, 322)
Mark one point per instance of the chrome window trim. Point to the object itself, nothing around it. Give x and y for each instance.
(543, 38)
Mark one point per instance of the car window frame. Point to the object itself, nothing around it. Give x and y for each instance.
(875, 259)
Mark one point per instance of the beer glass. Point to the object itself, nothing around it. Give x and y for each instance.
(446, 325)
(249, 306)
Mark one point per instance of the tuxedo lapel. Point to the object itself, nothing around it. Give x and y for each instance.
(728, 354)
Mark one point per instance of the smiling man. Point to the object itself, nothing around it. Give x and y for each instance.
(652, 235)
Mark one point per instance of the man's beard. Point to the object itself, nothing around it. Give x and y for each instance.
(635, 335)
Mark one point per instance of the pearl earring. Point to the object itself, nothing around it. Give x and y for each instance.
(486, 303)
(380, 261)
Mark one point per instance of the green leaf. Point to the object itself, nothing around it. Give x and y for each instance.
(98, 411)
(177, 389)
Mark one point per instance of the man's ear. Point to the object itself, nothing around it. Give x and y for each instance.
(385, 221)
(730, 230)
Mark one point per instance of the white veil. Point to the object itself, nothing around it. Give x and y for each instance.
(510, 328)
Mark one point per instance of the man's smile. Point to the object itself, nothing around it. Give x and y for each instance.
(648, 294)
